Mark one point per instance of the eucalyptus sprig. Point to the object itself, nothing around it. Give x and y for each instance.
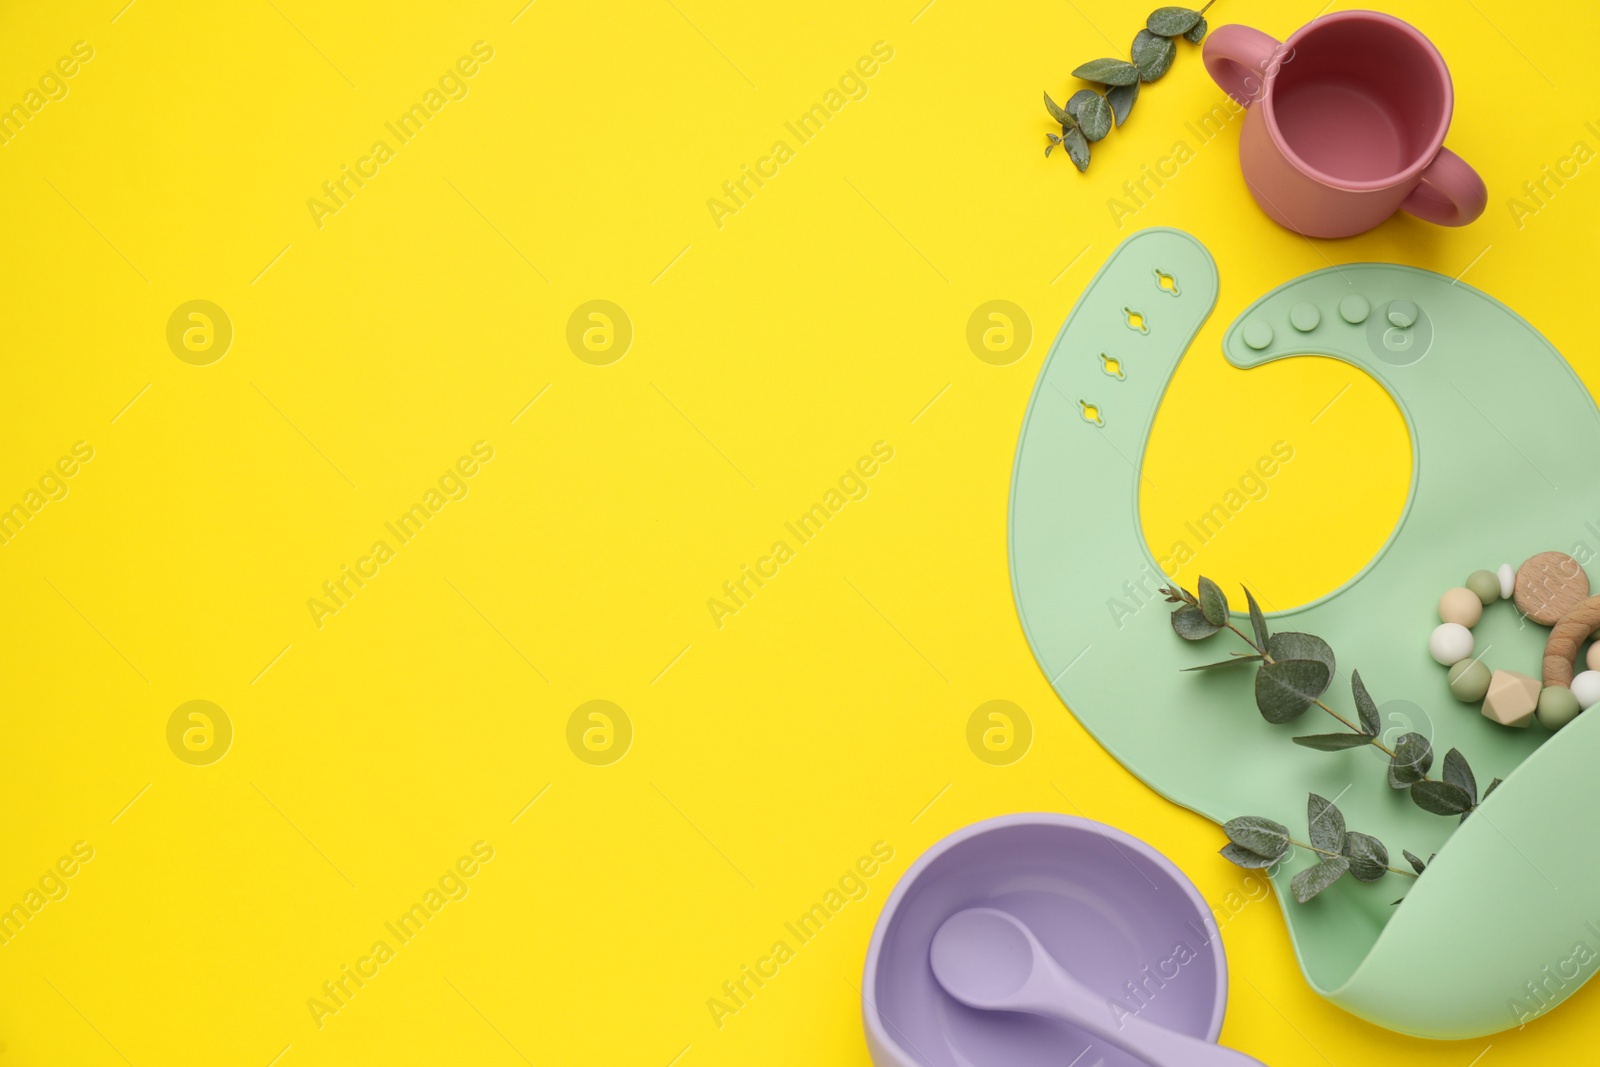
(1089, 114)
(1295, 670)
(1255, 842)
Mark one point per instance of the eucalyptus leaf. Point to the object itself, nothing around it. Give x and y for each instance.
(1048, 148)
(1369, 859)
(1365, 705)
(1413, 756)
(1152, 54)
(1261, 836)
(1230, 662)
(1094, 116)
(1285, 689)
(1458, 774)
(1078, 149)
(1441, 798)
(1121, 98)
(1415, 861)
(1196, 33)
(1172, 21)
(1258, 621)
(1330, 742)
(1292, 645)
(1313, 880)
(1213, 602)
(1243, 857)
(1108, 72)
(1326, 824)
(1492, 787)
(1075, 103)
(1188, 621)
(1059, 113)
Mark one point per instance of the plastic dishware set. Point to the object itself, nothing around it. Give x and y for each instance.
(1030, 938)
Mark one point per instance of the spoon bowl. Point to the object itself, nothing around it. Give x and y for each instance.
(982, 957)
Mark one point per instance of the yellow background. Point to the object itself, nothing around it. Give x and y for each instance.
(768, 354)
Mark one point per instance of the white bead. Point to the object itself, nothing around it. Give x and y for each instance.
(1586, 687)
(1508, 580)
(1450, 643)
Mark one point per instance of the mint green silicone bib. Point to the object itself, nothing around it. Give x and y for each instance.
(1506, 923)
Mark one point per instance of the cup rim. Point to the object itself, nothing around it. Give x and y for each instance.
(1436, 141)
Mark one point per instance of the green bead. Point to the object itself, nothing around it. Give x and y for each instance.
(1557, 707)
(1469, 681)
(1485, 584)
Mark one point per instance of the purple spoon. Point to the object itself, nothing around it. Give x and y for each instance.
(990, 960)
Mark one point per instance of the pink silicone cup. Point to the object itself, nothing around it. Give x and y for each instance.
(1347, 124)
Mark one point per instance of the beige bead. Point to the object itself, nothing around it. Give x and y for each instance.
(1592, 658)
(1512, 699)
(1460, 606)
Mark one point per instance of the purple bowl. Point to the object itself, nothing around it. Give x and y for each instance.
(1112, 910)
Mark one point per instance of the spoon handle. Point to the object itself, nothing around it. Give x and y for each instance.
(1160, 1047)
(1051, 991)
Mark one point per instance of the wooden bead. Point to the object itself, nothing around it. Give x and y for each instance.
(1512, 698)
(1548, 586)
(1460, 606)
(1561, 648)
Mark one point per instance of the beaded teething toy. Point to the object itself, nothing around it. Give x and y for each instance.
(1551, 589)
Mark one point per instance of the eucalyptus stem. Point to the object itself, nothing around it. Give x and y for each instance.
(1266, 657)
(1330, 855)
(1376, 742)
(1091, 114)
(1286, 685)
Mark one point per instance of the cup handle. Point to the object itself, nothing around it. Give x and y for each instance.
(1450, 194)
(1239, 59)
